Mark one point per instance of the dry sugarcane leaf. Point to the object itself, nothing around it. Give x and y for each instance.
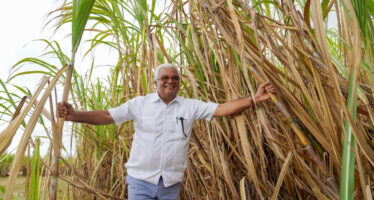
(227, 174)
(7, 135)
(45, 112)
(17, 162)
(361, 174)
(247, 153)
(282, 175)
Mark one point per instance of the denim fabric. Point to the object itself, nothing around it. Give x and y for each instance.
(142, 190)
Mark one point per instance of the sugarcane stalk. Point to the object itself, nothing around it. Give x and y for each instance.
(57, 138)
(295, 127)
(80, 14)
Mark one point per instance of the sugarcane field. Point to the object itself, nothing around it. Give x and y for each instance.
(192, 99)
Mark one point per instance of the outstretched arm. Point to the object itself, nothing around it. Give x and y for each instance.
(97, 117)
(236, 106)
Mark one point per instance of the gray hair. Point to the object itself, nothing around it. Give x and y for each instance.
(166, 65)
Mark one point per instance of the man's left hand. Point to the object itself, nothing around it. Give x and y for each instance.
(263, 91)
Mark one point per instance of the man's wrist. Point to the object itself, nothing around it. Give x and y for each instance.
(72, 117)
(251, 101)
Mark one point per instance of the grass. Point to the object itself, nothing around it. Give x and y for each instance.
(20, 184)
(19, 187)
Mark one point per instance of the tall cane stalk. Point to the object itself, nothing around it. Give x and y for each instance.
(81, 12)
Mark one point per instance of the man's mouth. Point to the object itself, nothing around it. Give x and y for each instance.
(169, 86)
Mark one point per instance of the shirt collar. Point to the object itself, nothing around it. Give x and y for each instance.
(155, 97)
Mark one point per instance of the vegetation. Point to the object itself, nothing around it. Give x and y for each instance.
(6, 160)
(315, 141)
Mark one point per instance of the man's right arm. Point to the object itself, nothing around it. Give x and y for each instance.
(97, 117)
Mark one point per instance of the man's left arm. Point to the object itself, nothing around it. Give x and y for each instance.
(236, 106)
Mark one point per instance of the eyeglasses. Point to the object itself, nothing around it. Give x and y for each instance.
(165, 78)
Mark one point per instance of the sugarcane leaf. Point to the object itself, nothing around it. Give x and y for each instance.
(35, 170)
(81, 12)
(97, 167)
(324, 5)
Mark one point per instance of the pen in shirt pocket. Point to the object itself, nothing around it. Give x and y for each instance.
(182, 119)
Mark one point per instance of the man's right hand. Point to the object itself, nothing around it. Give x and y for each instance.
(65, 110)
(96, 117)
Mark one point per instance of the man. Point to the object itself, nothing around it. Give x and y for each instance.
(163, 122)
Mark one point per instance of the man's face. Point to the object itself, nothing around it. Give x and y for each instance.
(167, 83)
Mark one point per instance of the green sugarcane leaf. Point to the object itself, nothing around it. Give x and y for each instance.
(35, 170)
(10, 98)
(81, 12)
(324, 5)
(2, 189)
(348, 162)
(97, 167)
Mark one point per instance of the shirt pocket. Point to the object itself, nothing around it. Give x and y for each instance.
(182, 126)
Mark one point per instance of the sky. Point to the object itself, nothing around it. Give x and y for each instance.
(23, 22)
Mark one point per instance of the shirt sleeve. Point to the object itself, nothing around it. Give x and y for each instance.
(204, 110)
(124, 112)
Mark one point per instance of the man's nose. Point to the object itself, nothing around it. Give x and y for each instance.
(170, 80)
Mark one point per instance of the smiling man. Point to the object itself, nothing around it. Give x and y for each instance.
(163, 122)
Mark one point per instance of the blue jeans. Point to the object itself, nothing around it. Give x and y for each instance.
(142, 190)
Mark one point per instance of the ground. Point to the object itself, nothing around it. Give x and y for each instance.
(19, 189)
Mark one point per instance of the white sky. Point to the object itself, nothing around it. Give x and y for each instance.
(22, 23)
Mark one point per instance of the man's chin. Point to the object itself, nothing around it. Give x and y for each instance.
(171, 93)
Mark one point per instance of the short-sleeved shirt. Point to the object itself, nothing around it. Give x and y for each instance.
(160, 146)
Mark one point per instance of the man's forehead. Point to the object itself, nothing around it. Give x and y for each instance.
(168, 70)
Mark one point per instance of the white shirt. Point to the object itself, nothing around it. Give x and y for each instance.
(159, 147)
